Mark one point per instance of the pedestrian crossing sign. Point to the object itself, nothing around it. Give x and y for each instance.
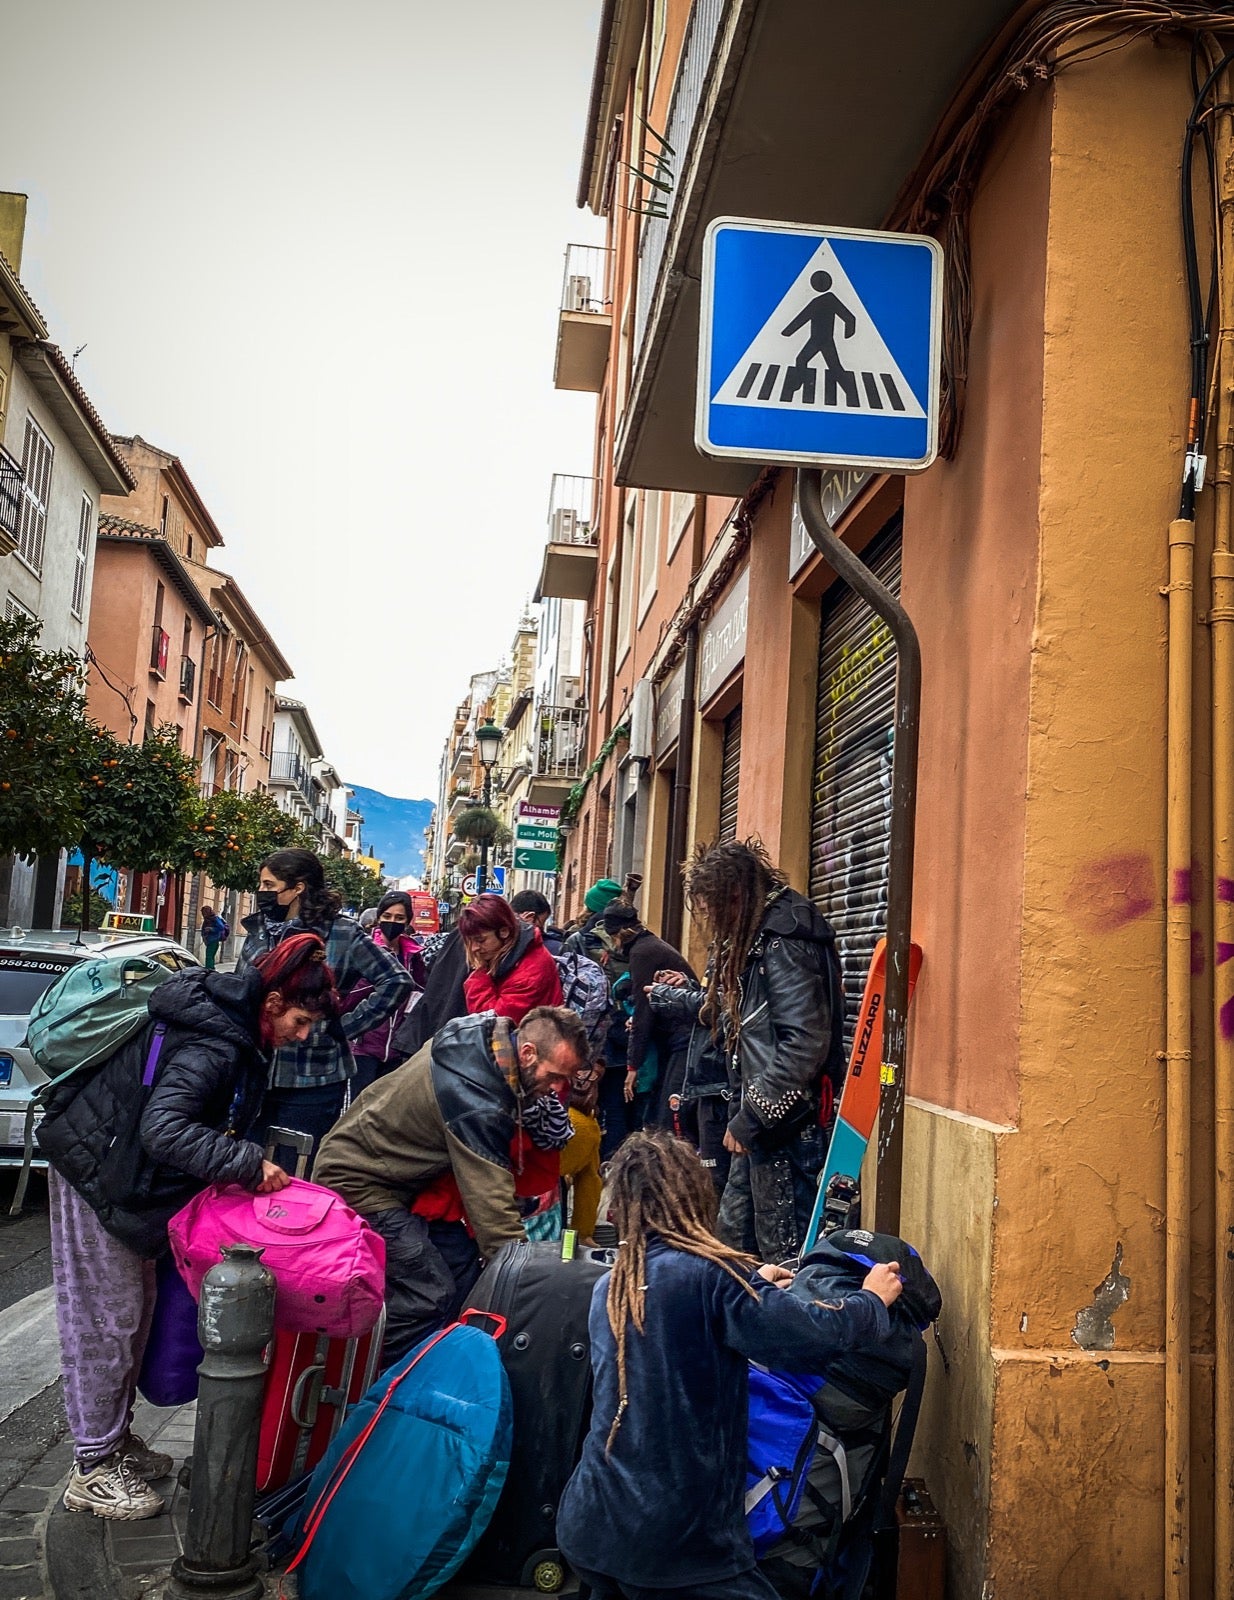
(819, 345)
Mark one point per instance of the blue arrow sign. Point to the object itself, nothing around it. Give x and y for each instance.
(819, 345)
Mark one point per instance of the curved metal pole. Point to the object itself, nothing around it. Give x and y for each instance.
(858, 576)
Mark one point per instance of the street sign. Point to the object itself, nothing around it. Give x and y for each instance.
(528, 858)
(529, 813)
(494, 883)
(528, 833)
(819, 345)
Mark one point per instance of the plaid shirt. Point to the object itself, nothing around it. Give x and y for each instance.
(325, 1057)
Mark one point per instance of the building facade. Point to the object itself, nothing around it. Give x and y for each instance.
(1060, 1176)
(58, 463)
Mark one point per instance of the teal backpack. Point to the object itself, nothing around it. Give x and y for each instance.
(80, 1022)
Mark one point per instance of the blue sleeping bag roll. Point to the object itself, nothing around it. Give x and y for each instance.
(411, 1482)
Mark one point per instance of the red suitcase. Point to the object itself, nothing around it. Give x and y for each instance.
(312, 1380)
(311, 1385)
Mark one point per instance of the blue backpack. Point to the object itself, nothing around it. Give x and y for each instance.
(413, 1478)
(821, 1469)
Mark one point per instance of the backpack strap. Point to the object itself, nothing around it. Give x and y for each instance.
(153, 1054)
(906, 1427)
(829, 1442)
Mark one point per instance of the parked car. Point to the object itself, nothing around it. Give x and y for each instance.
(29, 964)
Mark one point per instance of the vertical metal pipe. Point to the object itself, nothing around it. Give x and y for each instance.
(235, 1324)
(1221, 619)
(858, 576)
(679, 812)
(1178, 1066)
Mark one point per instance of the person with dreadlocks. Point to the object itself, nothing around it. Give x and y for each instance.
(125, 1157)
(655, 1509)
(458, 1109)
(778, 1004)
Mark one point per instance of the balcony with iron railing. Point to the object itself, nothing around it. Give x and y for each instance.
(585, 322)
(463, 757)
(568, 571)
(12, 482)
(559, 753)
(289, 771)
(188, 678)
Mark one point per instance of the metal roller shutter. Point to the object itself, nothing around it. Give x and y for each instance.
(730, 776)
(850, 825)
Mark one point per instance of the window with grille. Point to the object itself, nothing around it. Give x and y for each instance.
(36, 470)
(85, 526)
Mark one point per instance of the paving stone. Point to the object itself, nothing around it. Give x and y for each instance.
(45, 1475)
(20, 1524)
(18, 1552)
(22, 1583)
(25, 1498)
(145, 1554)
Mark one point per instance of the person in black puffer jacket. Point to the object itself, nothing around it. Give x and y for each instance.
(120, 1170)
(780, 1011)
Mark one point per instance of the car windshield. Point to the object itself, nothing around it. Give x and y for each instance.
(23, 981)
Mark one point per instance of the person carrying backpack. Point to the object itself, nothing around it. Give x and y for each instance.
(778, 1008)
(213, 933)
(155, 1123)
(656, 1505)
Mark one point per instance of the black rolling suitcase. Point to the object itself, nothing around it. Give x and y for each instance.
(545, 1348)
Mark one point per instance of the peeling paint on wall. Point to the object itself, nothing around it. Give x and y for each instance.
(1094, 1326)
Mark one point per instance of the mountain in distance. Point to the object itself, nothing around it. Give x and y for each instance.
(393, 830)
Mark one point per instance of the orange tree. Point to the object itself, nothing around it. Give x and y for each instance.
(230, 835)
(137, 800)
(43, 740)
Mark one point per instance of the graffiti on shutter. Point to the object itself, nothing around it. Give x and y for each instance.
(730, 776)
(850, 830)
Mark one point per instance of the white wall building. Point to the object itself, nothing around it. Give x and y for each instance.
(56, 459)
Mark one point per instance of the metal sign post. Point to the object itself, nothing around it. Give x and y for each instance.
(820, 347)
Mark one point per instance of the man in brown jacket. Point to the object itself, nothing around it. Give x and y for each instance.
(455, 1107)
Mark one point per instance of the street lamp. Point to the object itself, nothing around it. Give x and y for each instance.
(488, 744)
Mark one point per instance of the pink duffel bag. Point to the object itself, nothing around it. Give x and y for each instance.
(329, 1265)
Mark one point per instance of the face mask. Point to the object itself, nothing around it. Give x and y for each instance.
(392, 931)
(268, 905)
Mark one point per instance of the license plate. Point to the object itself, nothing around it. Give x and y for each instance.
(16, 1128)
(6, 1069)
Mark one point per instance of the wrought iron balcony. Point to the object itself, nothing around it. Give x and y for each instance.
(289, 772)
(11, 484)
(559, 753)
(188, 678)
(585, 323)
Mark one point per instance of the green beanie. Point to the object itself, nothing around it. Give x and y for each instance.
(599, 895)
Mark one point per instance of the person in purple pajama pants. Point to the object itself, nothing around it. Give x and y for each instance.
(128, 1145)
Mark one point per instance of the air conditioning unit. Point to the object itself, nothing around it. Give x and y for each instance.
(569, 691)
(563, 525)
(578, 292)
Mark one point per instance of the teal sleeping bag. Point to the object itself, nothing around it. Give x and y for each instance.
(410, 1484)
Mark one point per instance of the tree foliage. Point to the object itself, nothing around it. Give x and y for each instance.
(230, 835)
(138, 800)
(43, 739)
(359, 885)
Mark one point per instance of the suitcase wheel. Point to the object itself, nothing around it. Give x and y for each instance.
(545, 1572)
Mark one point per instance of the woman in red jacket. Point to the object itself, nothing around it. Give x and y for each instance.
(511, 971)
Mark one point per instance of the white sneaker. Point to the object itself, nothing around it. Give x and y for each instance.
(112, 1489)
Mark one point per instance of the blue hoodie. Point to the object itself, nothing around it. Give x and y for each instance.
(666, 1509)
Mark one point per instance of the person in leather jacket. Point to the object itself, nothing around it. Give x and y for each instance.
(779, 1009)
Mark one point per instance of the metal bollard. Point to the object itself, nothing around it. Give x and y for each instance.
(235, 1323)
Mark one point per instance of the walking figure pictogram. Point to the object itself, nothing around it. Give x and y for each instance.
(821, 316)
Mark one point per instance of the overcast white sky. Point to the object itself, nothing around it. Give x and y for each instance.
(316, 251)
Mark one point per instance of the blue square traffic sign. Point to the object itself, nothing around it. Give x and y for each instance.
(819, 345)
